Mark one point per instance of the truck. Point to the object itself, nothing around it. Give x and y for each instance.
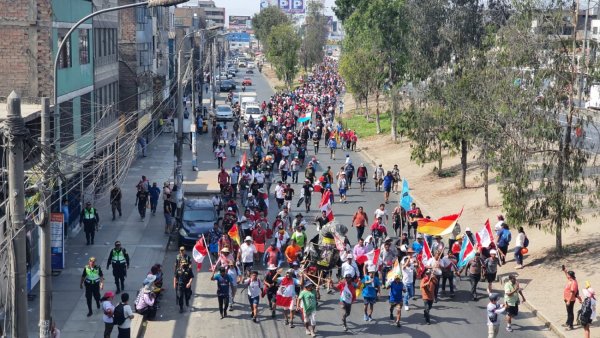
(247, 97)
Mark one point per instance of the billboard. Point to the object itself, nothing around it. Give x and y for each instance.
(240, 21)
(266, 3)
(292, 6)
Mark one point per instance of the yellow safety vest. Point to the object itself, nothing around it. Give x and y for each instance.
(118, 256)
(92, 274)
(89, 214)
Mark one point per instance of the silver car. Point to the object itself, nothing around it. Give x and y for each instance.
(224, 113)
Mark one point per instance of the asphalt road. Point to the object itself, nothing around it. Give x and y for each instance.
(458, 317)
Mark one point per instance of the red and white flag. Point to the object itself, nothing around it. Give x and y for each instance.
(243, 161)
(325, 205)
(200, 252)
(285, 292)
(485, 236)
(373, 256)
(426, 251)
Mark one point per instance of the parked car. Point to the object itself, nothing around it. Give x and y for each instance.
(247, 81)
(198, 218)
(224, 113)
(227, 85)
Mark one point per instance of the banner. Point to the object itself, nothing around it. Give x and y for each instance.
(57, 240)
(240, 22)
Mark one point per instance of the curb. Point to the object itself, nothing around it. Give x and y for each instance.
(553, 327)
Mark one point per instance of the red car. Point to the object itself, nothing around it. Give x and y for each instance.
(247, 81)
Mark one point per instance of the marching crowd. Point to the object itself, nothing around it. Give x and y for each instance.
(390, 261)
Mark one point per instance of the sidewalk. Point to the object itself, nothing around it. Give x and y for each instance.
(144, 241)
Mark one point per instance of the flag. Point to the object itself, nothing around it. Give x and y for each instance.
(199, 252)
(391, 275)
(325, 205)
(442, 226)
(317, 187)
(485, 236)
(426, 251)
(373, 256)
(234, 233)
(467, 252)
(304, 118)
(243, 161)
(405, 198)
(285, 292)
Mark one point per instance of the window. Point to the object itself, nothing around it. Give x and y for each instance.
(66, 123)
(84, 47)
(86, 113)
(64, 61)
(595, 30)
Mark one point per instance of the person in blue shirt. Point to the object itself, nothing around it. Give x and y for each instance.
(224, 283)
(388, 180)
(332, 144)
(396, 287)
(370, 291)
(417, 245)
(154, 192)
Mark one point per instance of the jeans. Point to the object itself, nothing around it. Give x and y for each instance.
(359, 232)
(294, 177)
(450, 279)
(124, 333)
(427, 307)
(410, 292)
(108, 327)
(183, 292)
(474, 280)
(153, 204)
(223, 304)
(518, 255)
(116, 206)
(570, 316)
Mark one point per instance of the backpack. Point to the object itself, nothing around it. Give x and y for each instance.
(584, 315)
(119, 315)
(526, 242)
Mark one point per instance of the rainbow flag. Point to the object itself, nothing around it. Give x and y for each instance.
(391, 275)
(234, 233)
(442, 226)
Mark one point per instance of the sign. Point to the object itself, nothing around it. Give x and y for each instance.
(266, 3)
(240, 22)
(238, 37)
(284, 5)
(57, 242)
(297, 6)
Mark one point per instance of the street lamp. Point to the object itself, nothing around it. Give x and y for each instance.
(45, 266)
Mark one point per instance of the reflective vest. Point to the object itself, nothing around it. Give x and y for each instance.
(92, 274)
(89, 214)
(118, 256)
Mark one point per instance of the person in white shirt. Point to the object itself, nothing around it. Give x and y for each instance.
(279, 194)
(285, 151)
(349, 267)
(125, 328)
(408, 275)
(381, 212)
(260, 178)
(254, 291)
(246, 255)
(107, 312)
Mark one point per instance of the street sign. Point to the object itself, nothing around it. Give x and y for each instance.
(57, 242)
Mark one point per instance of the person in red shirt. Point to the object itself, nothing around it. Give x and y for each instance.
(223, 178)
(457, 245)
(570, 294)
(378, 229)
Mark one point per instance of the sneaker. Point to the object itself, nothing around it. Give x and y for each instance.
(308, 332)
(287, 321)
(292, 325)
(366, 318)
(391, 316)
(345, 328)
(312, 334)
(370, 319)
(398, 324)
(89, 314)
(406, 308)
(509, 329)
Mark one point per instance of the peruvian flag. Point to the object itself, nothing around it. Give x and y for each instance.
(199, 252)
(373, 256)
(426, 251)
(285, 292)
(325, 205)
(485, 236)
(317, 187)
(243, 161)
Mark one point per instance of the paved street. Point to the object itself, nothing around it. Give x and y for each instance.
(457, 318)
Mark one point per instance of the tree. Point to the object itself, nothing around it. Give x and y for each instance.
(344, 8)
(314, 35)
(357, 67)
(264, 21)
(283, 44)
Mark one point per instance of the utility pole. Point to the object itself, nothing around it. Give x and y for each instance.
(193, 115)
(45, 254)
(201, 63)
(16, 188)
(212, 74)
(179, 150)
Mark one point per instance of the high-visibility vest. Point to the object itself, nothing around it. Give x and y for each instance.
(89, 214)
(118, 256)
(92, 274)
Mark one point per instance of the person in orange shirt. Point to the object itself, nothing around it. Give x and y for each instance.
(292, 252)
(360, 220)
(428, 285)
(570, 294)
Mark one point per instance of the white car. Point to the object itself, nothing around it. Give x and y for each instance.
(251, 65)
(224, 113)
(252, 110)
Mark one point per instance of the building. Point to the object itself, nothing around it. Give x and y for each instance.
(214, 15)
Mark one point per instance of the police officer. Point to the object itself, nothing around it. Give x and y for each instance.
(182, 283)
(89, 218)
(119, 258)
(182, 257)
(93, 278)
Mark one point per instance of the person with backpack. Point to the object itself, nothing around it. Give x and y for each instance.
(521, 242)
(493, 310)
(254, 286)
(587, 314)
(570, 294)
(503, 239)
(108, 312)
(122, 317)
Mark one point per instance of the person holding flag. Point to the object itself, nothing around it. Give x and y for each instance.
(396, 287)
(347, 288)
(370, 291)
(325, 205)
(286, 294)
(199, 252)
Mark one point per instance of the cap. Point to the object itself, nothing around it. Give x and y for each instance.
(229, 209)
(225, 249)
(459, 237)
(182, 247)
(92, 259)
(248, 238)
(308, 283)
(494, 296)
(150, 278)
(295, 263)
(371, 269)
(419, 236)
(589, 292)
(299, 215)
(571, 274)
(291, 271)
(349, 256)
(403, 248)
(272, 267)
(493, 252)
(437, 237)
(467, 229)
(109, 294)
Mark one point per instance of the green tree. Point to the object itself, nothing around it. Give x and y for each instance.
(357, 66)
(314, 35)
(283, 44)
(264, 21)
(344, 8)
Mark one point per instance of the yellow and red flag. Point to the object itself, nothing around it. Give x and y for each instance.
(442, 226)
(234, 233)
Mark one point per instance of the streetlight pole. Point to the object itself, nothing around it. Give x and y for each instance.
(45, 247)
